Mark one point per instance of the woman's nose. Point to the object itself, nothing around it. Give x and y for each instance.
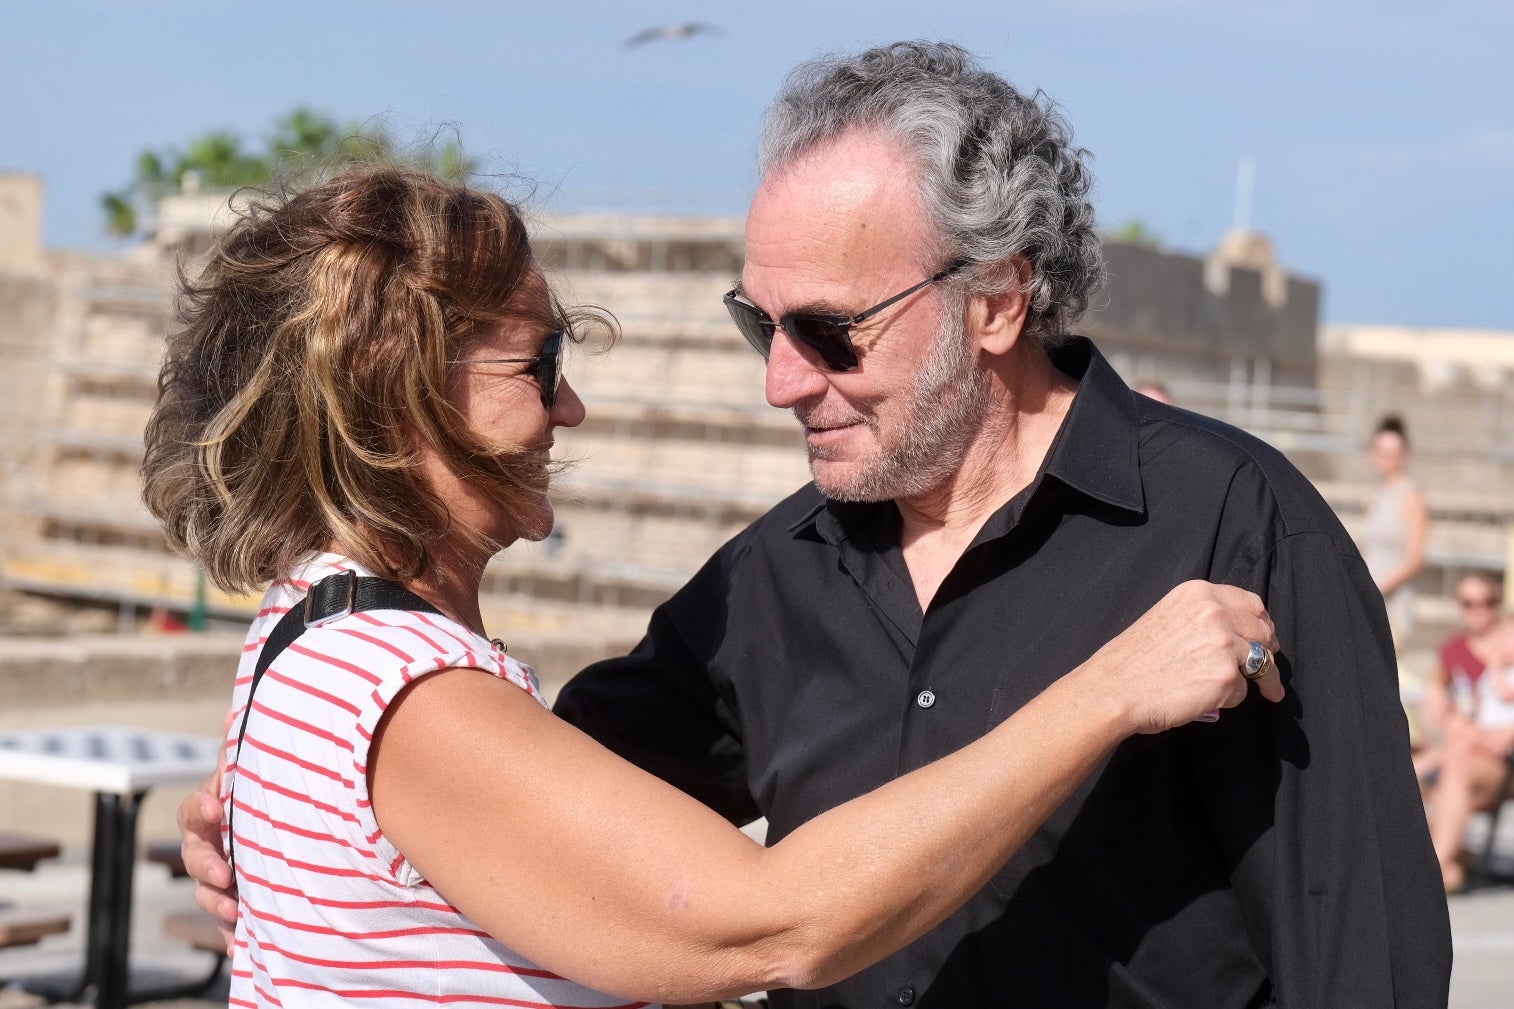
(568, 410)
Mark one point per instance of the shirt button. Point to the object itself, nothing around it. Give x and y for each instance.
(925, 699)
(906, 994)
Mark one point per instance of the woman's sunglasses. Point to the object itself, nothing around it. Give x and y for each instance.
(827, 335)
(546, 366)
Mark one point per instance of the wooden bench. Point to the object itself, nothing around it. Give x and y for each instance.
(23, 928)
(19, 851)
(167, 853)
(196, 928)
(199, 930)
(193, 926)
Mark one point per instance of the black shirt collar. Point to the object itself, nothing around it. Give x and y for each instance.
(1096, 453)
(1098, 450)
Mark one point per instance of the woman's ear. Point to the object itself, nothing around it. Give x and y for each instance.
(998, 319)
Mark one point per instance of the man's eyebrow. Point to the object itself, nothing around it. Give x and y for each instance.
(821, 307)
(813, 308)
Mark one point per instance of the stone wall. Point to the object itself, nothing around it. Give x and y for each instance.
(75, 670)
(26, 318)
(1172, 316)
(176, 683)
(681, 451)
(21, 196)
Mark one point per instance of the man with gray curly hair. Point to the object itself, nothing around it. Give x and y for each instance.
(991, 182)
(991, 502)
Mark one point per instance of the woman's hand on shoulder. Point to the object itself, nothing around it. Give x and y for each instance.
(1183, 657)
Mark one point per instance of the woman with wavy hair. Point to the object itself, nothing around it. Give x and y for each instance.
(364, 393)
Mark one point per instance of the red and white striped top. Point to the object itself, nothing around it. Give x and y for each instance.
(329, 913)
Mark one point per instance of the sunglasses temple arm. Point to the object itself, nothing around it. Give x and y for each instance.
(864, 316)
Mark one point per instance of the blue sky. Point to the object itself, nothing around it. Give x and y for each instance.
(1382, 133)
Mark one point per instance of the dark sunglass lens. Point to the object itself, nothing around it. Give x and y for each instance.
(552, 367)
(757, 330)
(828, 337)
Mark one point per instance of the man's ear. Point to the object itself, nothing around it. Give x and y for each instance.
(998, 319)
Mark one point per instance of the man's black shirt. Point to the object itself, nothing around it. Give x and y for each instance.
(1276, 857)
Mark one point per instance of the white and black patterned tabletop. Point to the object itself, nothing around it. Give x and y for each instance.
(106, 758)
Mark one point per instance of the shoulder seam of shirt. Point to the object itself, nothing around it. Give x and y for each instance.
(1224, 432)
(1334, 547)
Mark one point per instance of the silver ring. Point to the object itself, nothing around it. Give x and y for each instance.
(1258, 660)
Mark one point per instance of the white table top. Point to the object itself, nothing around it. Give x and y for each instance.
(106, 758)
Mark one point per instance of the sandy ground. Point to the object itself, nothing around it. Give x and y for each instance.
(1482, 923)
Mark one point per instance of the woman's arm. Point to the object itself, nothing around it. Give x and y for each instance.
(605, 874)
(1416, 515)
(1500, 741)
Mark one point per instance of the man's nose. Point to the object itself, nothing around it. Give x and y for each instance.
(795, 373)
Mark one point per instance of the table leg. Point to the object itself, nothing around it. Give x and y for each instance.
(112, 973)
(96, 921)
(107, 941)
(100, 925)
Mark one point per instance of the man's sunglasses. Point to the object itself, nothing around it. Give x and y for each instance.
(828, 335)
(546, 366)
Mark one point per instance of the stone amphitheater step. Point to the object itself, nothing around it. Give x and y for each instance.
(655, 375)
(670, 544)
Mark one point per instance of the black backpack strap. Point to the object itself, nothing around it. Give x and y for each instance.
(331, 598)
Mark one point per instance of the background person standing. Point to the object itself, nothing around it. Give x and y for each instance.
(1395, 527)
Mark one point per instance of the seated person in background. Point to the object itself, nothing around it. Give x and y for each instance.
(1452, 686)
(1473, 763)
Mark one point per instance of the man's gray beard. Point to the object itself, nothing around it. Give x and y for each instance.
(948, 404)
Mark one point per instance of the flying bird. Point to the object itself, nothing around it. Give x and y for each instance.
(671, 33)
